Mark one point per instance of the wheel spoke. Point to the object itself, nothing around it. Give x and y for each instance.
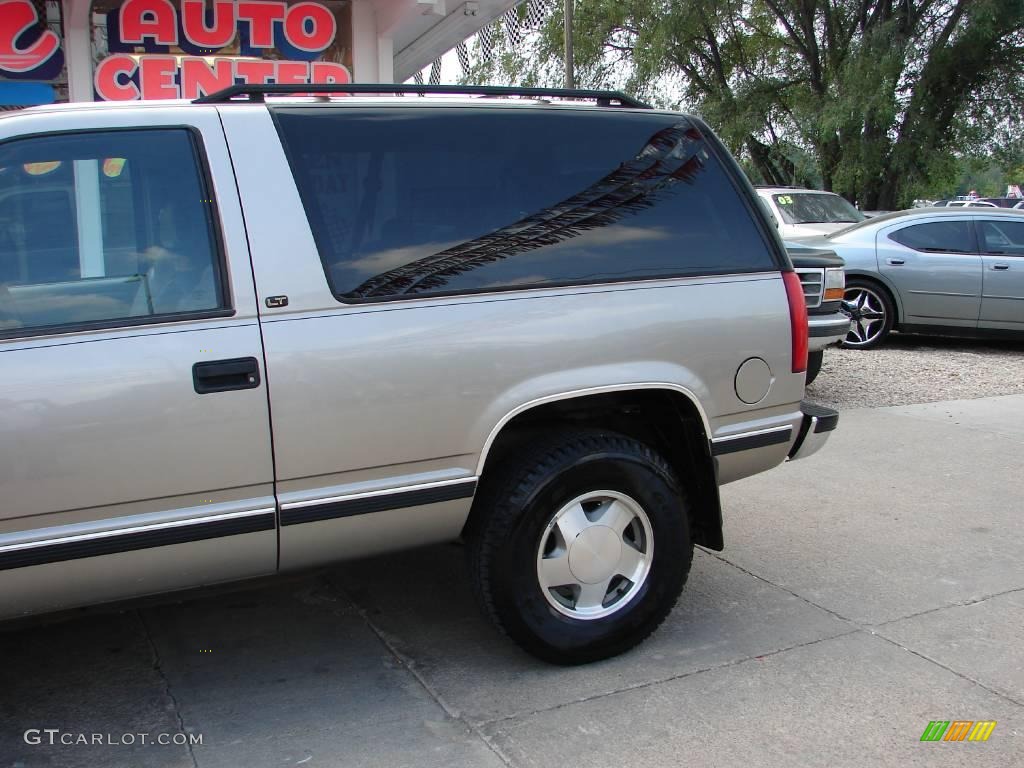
(592, 595)
(571, 524)
(554, 571)
(629, 562)
(617, 516)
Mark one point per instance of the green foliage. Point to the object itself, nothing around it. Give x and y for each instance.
(875, 99)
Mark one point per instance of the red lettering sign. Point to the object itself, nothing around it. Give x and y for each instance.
(193, 23)
(292, 73)
(207, 27)
(310, 27)
(307, 26)
(328, 72)
(156, 77)
(111, 79)
(261, 16)
(168, 77)
(199, 77)
(156, 19)
(254, 70)
(16, 16)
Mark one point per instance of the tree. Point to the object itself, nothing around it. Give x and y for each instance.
(883, 95)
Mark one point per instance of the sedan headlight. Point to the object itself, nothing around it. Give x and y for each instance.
(835, 284)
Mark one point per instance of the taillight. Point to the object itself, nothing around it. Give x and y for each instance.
(797, 320)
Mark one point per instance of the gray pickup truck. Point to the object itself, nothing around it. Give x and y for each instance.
(823, 277)
(263, 332)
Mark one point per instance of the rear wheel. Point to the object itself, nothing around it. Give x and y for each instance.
(582, 547)
(814, 361)
(872, 314)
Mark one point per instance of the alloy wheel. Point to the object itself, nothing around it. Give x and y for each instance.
(867, 316)
(595, 555)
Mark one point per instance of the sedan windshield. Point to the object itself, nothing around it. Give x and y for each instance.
(816, 208)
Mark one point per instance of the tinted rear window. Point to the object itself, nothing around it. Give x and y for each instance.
(432, 200)
(937, 236)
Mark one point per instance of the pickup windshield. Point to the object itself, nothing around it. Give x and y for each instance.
(816, 208)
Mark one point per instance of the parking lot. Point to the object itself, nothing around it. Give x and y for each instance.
(864, 592)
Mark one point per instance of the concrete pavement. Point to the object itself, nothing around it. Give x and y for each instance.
(863, 592)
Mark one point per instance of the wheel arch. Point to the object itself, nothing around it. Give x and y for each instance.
(667, 417)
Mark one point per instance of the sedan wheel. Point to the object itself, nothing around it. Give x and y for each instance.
(871, 315)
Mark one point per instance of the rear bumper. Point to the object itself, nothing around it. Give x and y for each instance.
(826, 330)
(817, 424)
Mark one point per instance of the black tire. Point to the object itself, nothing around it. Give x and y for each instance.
(856, 287)
(518, 502)
(814, 360)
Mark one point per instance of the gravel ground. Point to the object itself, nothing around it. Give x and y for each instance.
(918, 369)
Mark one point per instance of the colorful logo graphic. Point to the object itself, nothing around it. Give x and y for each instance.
(958, 730)
(26, 46)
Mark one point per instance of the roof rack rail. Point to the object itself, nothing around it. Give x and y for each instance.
(256, 92)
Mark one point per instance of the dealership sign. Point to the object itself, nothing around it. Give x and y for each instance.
(196, 47)
(28, 50)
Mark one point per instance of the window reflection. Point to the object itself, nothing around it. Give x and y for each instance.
(416, 201)
(671, 156)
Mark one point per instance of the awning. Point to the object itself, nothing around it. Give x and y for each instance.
(14, 94)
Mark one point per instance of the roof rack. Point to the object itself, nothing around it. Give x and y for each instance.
(256, 92)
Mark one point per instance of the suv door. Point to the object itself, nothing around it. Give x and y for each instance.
(134, 432)
(1002, 245)
(936, 268)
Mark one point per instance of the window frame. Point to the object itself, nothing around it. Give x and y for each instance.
(219, 262)
(745, 194)
(979, 223)
(976, 245)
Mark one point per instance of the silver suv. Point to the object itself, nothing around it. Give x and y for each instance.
(252, 335)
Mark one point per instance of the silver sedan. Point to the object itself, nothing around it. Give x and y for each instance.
(956, 271)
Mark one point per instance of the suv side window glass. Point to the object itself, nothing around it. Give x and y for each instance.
(937, 236)
(1005, 238)
(104, 228)
(433, 201)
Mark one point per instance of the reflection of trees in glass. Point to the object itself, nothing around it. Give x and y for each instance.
(672, 155)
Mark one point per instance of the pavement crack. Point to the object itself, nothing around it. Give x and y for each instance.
(788, 591)
(409, 664)
(958, 604)
(158, 666)
(961, 675)
(872, 629)
(669, 678)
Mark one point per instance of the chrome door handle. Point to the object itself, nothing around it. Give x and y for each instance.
(1001, 267)
(896, 262)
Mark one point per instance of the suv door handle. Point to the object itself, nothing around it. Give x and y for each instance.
(226, 375)
(1001, 267)
(896, 262)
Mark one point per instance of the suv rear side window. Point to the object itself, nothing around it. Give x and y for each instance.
(104, 228)
(937, 237)
(434, 201)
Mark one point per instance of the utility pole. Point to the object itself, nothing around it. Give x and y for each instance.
(570, 77)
